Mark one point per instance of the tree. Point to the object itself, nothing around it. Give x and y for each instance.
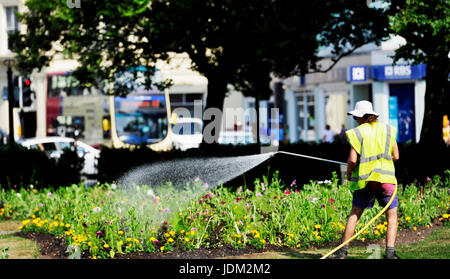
(425, 25)
(282, 39)
(106, 37)
(229, 42)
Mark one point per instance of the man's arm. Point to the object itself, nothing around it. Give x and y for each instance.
(395, 153)
(351, 163)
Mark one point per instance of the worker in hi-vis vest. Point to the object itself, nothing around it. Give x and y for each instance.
(371, 173)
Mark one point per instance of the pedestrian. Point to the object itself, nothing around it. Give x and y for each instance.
(328, 135)
(371, 173)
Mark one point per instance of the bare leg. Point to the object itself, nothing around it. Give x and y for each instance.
(391, 233)
(355, 214)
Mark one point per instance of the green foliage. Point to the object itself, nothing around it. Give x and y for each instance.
(425, 25)
(230, 42)
(108, 219)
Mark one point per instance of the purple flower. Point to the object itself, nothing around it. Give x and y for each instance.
(194, 229)
(167, 210)
(41, 204)
(206, 184)
(262, 186)
(99, 233)
(428, 179)
(293, 183)
(258, 194)
(197, 179)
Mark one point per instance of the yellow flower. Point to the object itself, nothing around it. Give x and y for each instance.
(20, 227)
(317, 226)
(186, 239)
(182, 231)
(262, 241)
(106, 245)
(170, 240)
(415, 228)
(120, 232)
(128, 239)
(172, 233)
(25, 221)
(162, 248)
(408, 219)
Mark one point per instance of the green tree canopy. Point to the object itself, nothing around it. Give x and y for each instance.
(238, 42)
(425, 25)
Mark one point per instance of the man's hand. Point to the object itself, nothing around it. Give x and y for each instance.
(351, 163)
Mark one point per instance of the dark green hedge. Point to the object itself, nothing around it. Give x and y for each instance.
(21, 167)
(414, 166)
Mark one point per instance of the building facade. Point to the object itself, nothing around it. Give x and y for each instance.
(59, 107)
(396, 91)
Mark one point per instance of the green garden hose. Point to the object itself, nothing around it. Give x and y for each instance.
(365, 227)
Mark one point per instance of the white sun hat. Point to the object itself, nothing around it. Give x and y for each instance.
(362, 108)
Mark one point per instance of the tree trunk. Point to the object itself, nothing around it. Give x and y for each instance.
(217, 90)
(437, 102)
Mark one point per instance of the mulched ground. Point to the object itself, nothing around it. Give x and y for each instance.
(54, 248)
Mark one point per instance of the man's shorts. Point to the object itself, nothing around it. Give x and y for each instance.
(365, 198)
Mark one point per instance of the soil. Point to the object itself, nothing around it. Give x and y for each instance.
(52, 247)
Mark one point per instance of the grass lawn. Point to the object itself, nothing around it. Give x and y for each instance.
(434, 246)
(14, 247)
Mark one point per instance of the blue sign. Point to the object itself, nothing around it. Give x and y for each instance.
(393, 113)
(398, 72)
(358, 73)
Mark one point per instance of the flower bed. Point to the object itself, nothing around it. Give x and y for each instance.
(108, 219)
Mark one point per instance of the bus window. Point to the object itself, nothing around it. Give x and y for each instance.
(141, 119)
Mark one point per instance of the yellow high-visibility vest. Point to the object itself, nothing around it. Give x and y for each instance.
(374, 143)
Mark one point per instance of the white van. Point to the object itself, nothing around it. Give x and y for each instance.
(54, 147)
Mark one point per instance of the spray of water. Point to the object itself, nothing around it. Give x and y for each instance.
(213, 171)
(166, 187)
